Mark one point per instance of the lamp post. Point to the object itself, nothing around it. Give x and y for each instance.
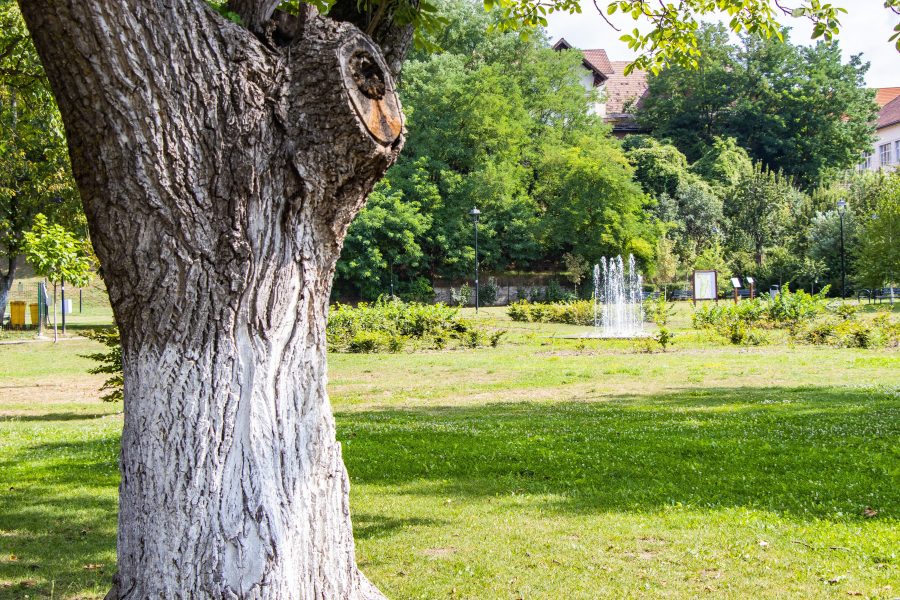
(842, 208)
(392, 279)
(475, 213)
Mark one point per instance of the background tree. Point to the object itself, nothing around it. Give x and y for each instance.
(824, 236)
(878, 258)
(800, 110)
(57, 254)
(759, 211)
(591, 205)
(577, 268)
(34, 168)
(382, 244)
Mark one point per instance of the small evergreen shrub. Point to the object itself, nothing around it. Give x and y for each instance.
(392, 325)
(487, 293)
(577, 312)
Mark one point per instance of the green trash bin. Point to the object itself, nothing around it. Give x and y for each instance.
(17, 314)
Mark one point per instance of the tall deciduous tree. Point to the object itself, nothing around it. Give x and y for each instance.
(56, 253)
(34, 168)
(878, 257)
(220, 164)
(759, 208)
(798, 109)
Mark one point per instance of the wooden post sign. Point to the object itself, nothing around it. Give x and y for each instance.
(705, 285)
(736, 284)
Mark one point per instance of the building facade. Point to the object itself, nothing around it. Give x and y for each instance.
(620, 94)
(886, 151)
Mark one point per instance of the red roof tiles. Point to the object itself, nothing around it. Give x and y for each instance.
(889, 113)
(624, 92)
(885, 95)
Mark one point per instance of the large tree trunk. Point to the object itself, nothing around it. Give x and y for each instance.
(220, 169)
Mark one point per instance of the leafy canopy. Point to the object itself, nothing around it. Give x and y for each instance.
(56, 253)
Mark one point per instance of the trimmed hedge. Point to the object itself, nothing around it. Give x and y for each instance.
(578, 312)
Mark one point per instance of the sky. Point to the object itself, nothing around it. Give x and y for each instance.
(865, 29)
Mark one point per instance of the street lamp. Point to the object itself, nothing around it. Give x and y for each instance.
(475, 213)
(842, 208)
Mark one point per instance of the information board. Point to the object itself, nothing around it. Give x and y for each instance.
(705, 285)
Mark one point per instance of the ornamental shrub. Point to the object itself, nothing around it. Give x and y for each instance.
(391, 325)
(577, 312)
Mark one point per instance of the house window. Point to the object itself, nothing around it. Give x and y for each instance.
(897, 151)
(866, 161)
(885, 154)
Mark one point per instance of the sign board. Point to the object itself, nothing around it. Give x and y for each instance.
(705, 285)
(735, 282)
(751, 281)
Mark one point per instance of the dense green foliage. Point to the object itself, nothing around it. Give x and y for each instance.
(795, 108)
(57, 253)
(35, 176)
(807, 317)
(110, 362)
(502, 123)
(392, 325)
(575, 312)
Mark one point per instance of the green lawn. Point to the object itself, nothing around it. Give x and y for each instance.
(544, 468)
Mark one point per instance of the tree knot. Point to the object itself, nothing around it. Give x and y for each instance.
(367, 74)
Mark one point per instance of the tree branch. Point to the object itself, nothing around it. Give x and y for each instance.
(254, 13)
(394, 40)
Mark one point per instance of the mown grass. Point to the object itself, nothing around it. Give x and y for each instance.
(545, 468)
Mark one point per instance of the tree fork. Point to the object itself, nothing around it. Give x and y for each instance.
(220, 167)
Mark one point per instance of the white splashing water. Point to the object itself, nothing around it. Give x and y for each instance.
(618, 303)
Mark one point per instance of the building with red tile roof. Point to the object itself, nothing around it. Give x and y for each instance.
(620, 93)
(886, 153)
(885, 95)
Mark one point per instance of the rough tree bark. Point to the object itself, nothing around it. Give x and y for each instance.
(220, 167)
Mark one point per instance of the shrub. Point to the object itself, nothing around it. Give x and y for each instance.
(735, 322)
(389, 325)
(369, 341)
(419, 290)
(555, 292)
(578, 312)
(519, 311)
(792, 308)
(110, 362)
(463, 296)
(487, 293)
(850, 333)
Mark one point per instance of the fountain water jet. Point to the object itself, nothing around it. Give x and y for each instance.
(618, 299)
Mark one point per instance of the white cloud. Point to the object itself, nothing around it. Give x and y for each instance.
(865, 29)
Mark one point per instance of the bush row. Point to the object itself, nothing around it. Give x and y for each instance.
(577, 312)
(848, 332)
(392, 325)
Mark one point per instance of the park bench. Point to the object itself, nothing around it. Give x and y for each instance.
(681, 295)
(886, 294)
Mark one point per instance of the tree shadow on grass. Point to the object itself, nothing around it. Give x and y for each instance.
(368, 526)
(805, 453)
(60, 416)
(58, 518)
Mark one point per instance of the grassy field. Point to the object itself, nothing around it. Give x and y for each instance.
(544, 468)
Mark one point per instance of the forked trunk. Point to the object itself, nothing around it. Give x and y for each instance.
(219, 171)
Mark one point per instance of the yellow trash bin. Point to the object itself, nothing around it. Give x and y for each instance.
(35, 314)
(17, 314)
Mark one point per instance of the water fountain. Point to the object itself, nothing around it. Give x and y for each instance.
(618, 300)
